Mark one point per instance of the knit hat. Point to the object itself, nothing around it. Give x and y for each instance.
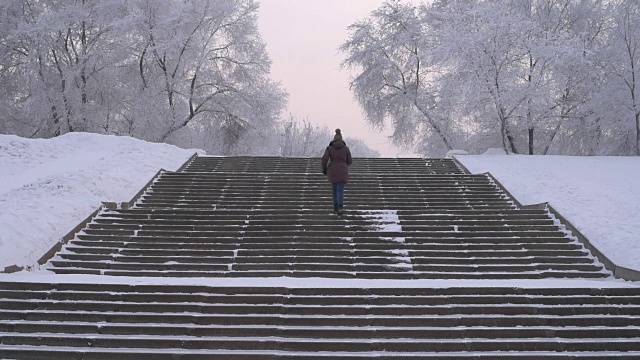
(338, 135)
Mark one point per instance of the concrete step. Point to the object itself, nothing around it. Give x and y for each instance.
(325, 207)
(248, 250)
(248, 233)
(318, 188)
(335, 225)
(289, 201)
(452, 311)
(207, 195)
(386, 274)
(307, 216)
(258, 213)
(320, 332)
(173, 249)
(319, 178)
(377, 240)
(89, 353)
(360, 166)
(222, 173)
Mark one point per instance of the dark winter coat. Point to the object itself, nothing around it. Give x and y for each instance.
(336, 161)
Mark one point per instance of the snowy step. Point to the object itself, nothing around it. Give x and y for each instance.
(335, 225)
(514, 238)
(322, 186)
(65, 353)
(289, 201)
(475, 223)
(524, 311)
(318, 177)
(312, 165)
(310, 199)
(387, 274)
(325, 207)
(362, 253)
(408, 179)
(248, 233)
(319, 249)
(296, 261)
(257, 213)
(307, 247)
(308, 215)
(374, 241)
(316, 332)
(232, 182)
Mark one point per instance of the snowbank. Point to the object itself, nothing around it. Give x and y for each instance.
(599, 195)
(47, 187)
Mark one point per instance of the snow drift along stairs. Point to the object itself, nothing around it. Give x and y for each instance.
(364, 286)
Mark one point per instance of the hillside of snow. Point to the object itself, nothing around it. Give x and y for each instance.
(48, 186)
(598, 195)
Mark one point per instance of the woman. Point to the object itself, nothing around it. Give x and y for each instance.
(335, 164)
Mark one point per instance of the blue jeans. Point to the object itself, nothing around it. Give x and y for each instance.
(338, 193)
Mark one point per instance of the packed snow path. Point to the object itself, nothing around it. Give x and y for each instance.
(406, 219)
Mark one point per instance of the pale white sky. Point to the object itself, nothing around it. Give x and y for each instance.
(302, 39)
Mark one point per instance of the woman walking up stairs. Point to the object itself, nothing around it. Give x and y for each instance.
(335, 164)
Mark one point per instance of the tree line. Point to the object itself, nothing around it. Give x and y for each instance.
(527, 76)
(193, 73)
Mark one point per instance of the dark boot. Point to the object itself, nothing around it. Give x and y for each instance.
(335, 208)
(340, 212)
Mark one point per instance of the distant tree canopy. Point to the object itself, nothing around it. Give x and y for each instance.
(193, 73)
(303, 139)
(528, 76)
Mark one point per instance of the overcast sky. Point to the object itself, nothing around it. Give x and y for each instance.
(302, 39)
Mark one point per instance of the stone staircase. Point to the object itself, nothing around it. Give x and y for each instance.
(110, 321)
(241, 258)
(407, 219)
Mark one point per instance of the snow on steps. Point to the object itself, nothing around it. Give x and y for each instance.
(84, 320)
(269, 217)
(237, 211)
(169, 241)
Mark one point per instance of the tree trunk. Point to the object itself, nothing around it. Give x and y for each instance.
(530, 141)
(503, 126)
(506, 134)
(553, 135)
(434, 125)
(637, 133)
(512, 142)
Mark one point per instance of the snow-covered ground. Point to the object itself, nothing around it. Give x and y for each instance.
(599, 195)
(47, 187)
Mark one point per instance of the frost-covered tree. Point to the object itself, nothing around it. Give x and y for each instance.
(360, 149)
(304, 139)
(530, 76)
(390, 50)
(622, 63)
(159, 70)
(57, 59)
(202, 61)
